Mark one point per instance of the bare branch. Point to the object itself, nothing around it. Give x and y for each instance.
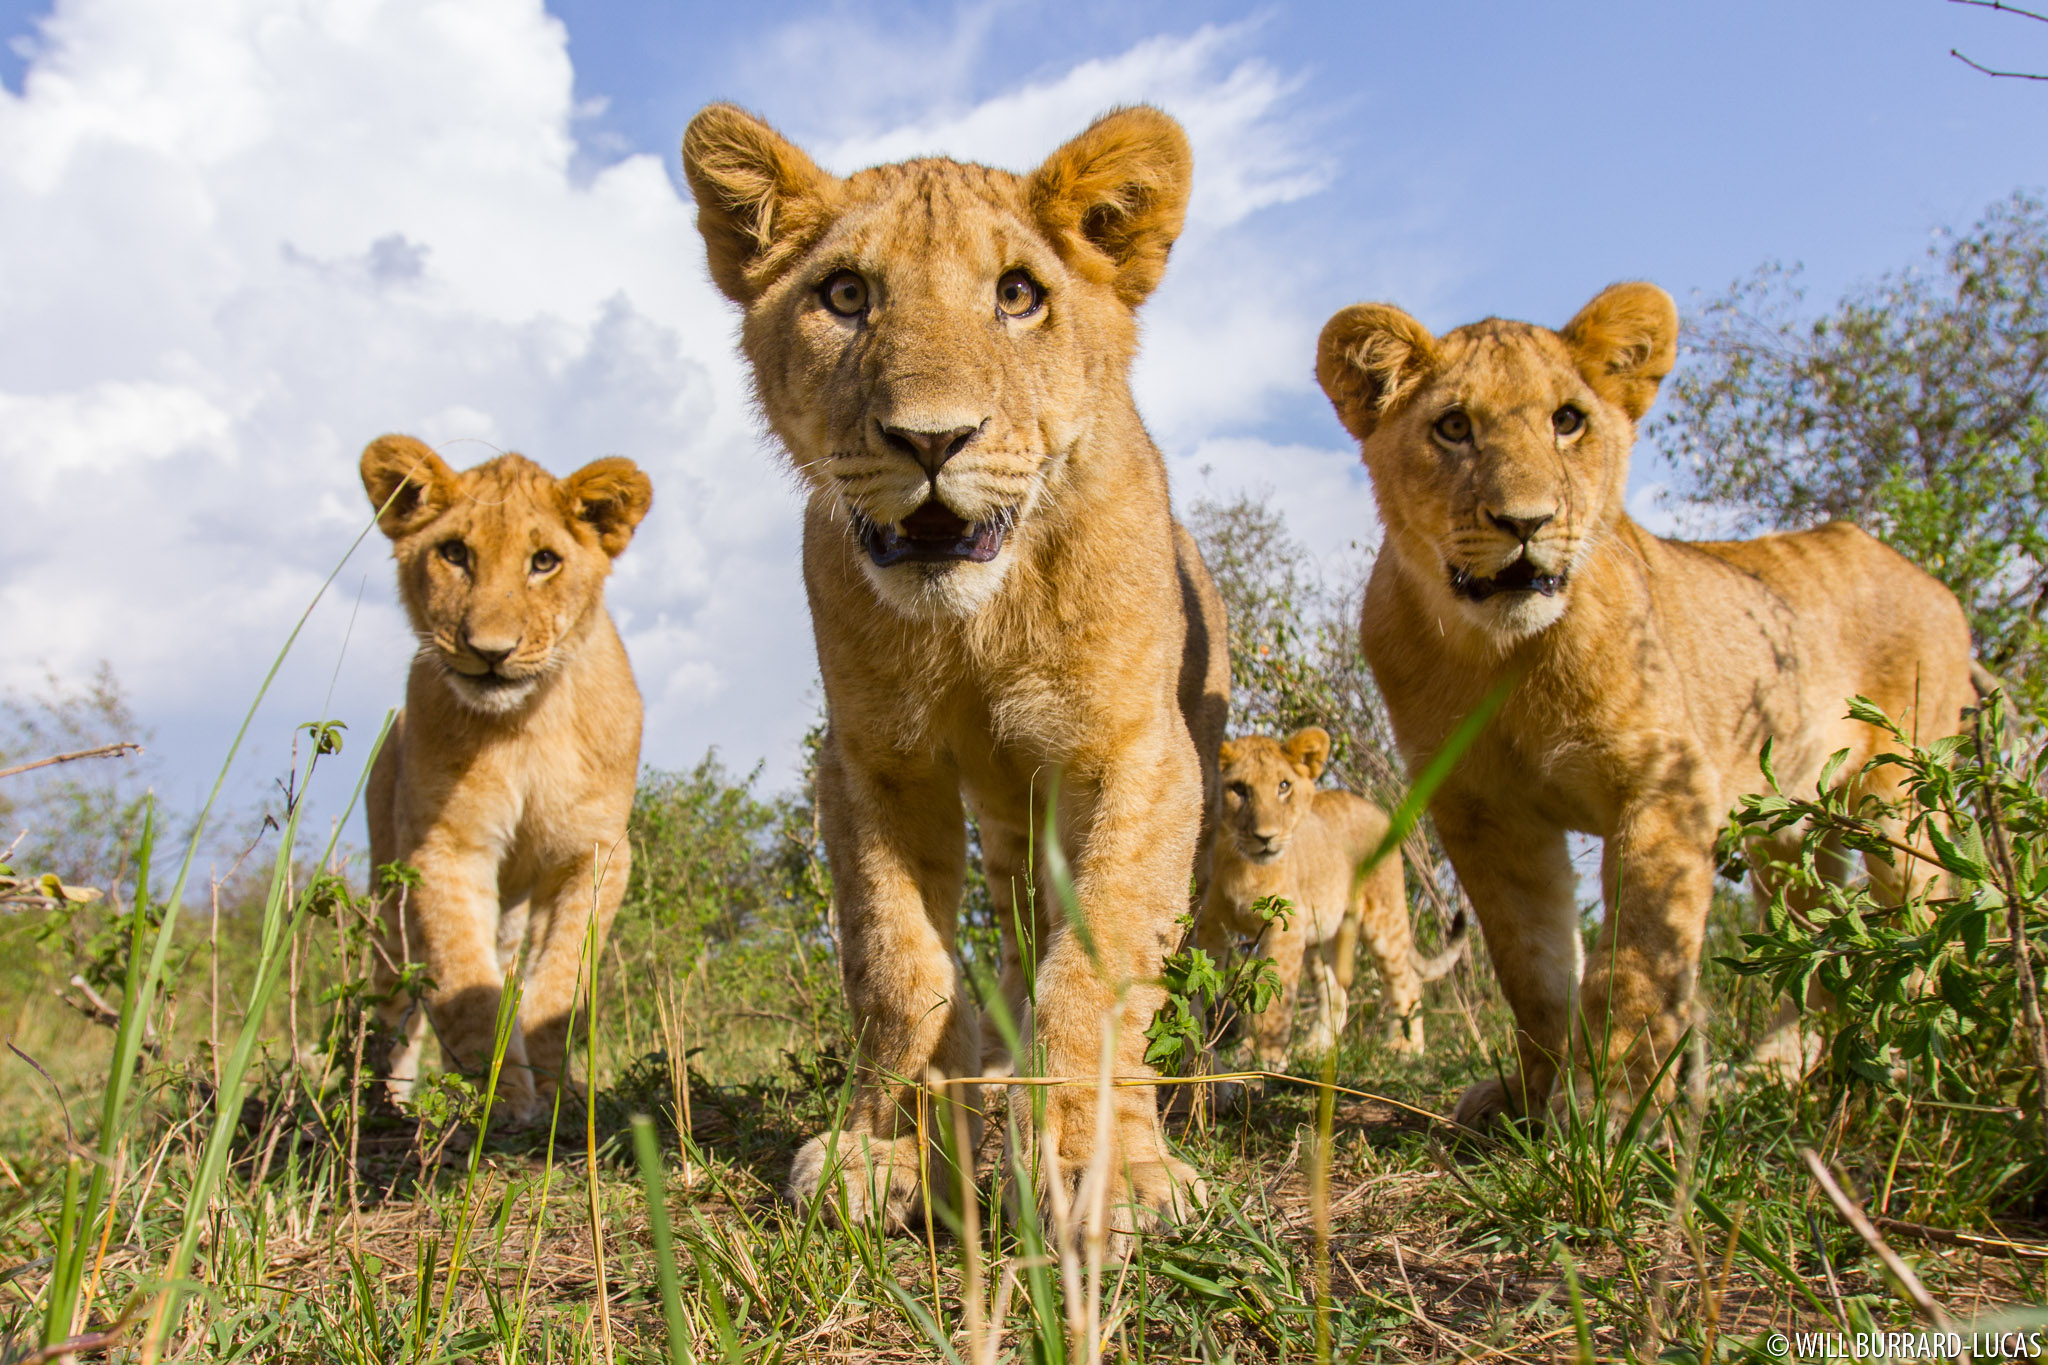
(2014, 75)
(2003, 8)
(104, 751)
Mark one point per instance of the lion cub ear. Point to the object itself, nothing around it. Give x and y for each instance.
(1115, 197)
(1308, 750)
(760, 200)
(1370, 357)
(1626, 341)
(612, 495)
(408, 484)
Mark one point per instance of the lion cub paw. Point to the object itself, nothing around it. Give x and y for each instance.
(1484, 1105)
(875, 1176)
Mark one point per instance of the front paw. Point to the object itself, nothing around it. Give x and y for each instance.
(1141, 1184)
(858, 1177)
(1486, 1104)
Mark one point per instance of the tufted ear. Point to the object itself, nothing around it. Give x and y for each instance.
(612, 495)
(1626, 341)
(760, 200)
(1369, 358)
(1227, 754)
(408, 483)
(1308, 750)
(1115, 197)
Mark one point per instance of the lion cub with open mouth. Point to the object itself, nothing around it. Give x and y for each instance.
(1002, 603)
(1645, 674)
(1278, 834)
(507, 779)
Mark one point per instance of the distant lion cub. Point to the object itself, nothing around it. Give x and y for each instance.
(1277, 835)
(508, 777)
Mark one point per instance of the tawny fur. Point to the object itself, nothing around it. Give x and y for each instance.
(1643, 687)
(1063, 663)
(508, 778)
(1279, 835)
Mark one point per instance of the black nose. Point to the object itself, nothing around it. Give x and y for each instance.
(1521, 528)
(930, 448)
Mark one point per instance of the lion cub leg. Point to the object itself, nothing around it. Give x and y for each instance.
(1273, 1027)
(898, 850)
(1130, 879)
(1657, 876)
(558, 928)
(453, 920)
(1382, 914)
(1517, 872)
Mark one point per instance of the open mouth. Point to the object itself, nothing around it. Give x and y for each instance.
(931, 534)
(1520, 576)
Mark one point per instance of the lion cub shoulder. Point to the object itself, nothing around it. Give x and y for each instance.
(506, 782)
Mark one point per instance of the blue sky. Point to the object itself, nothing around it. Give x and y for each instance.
(196, 336)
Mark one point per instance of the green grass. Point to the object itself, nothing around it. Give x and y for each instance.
(1692, 1240)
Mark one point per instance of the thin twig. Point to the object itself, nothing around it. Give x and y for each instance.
(1997, 1246)
(103, 751)
(2003, 8)
(1859, 1223)
(2010, 75)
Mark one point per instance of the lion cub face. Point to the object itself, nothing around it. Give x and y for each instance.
(500, 567)
(929, 339)
(1499, 452)
(1266, 787)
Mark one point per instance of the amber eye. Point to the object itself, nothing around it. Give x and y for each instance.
(1018, 295)
(1285, 787)
(1567, 420)
(845, 293)
(1455, 427)
(456, 553)
(1239, 790)
(544, 561)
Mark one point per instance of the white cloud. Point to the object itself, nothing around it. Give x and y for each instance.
(242, 239)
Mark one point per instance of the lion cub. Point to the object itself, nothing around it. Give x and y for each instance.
(507, 779)
(1278, 835)
(1003, 607)
(1643, 675)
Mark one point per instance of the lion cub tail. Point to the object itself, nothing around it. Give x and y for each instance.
(1430, 968)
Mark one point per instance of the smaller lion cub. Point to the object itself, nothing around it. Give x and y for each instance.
(507, 779)
(1278, 835)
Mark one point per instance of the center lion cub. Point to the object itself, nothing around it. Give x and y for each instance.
(1003, 605)
(507, 779)
(1277, 834)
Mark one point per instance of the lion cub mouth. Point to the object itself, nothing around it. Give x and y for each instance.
(933, 533)
(1520, 576)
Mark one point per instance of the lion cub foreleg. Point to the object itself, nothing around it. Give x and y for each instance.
(1517, 872)
(559, 938)
(898, 849)
(1284, 941)
(1133, 832)
(452, 924)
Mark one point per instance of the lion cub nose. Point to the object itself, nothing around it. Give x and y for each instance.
(930, 449)
(490, 651)
(1521, 528)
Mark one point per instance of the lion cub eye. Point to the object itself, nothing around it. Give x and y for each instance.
(456, 553)
(1239, 790)
(545, 561)
(1567, 420)
(1018, 295)
(1285, 787)
(1455, 427)
(845, 293)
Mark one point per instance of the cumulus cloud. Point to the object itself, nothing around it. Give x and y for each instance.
(242, 239)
